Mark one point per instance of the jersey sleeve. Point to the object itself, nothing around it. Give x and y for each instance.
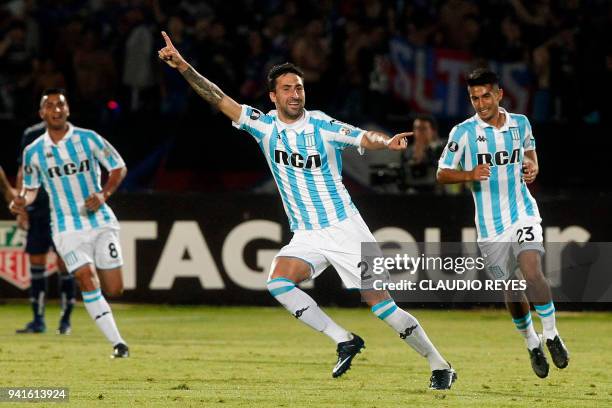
(253, 121)
(454, 150)
(529, 141)
(341, 135)
(31, 170)
(106, 154)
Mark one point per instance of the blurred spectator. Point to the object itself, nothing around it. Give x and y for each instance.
(254, 87)
(510, 47)
(138, 71)
(174, 89)
(557, 52)
(94, 72)
(420, 161)
(376, 70)
(46, 75)
(459, 23)
(311, 52)
(217, 56)
(275, 34)
(15, 70)
(538, 18)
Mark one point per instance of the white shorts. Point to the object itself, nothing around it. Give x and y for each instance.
(99, 247)
(338, 245)
(501, 253)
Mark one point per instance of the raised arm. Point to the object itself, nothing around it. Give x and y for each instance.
(210, 92)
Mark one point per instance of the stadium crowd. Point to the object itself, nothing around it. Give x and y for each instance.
(104, 53)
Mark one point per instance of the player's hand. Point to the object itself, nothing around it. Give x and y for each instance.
(170, 55)
(23, 221)
(481, 172)
(94, 201)
(398, 142)
(530, 170)
(17, 206)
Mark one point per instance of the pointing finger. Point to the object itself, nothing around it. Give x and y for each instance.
(167, 39)
(404, 134)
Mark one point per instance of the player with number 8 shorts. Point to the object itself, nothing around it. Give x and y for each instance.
(494, 151)
(65, 161)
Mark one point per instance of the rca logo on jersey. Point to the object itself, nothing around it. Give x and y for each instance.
(69, 169)
(500, 158)
(297, 160)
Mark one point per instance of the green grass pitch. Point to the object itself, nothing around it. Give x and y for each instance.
(263, 357)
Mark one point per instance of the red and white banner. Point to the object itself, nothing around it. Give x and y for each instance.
(432, 80)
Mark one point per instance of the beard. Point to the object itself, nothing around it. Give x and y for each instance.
(291, 114)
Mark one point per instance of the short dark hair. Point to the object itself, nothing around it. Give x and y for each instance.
(278, 70)
(427, 118)
(52, 91)
(482, 76)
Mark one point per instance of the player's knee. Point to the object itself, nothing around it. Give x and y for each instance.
(374, 297)
(113, 291)
(295, 270)
(86, 279)
(534, 277)
(38, 259)
(277, 272)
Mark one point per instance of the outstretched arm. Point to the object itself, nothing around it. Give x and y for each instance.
(210, 92)
(373, 140)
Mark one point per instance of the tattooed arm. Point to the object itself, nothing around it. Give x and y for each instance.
(210, 92)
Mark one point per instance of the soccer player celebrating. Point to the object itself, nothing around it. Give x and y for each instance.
(304, 152)
(495, 151)
(38, 223)
(65, 160)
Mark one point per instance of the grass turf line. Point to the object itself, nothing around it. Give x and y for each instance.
(263, 357)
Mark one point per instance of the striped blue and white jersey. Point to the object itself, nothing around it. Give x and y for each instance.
(503, 199)
(305, 158)
(69, 171)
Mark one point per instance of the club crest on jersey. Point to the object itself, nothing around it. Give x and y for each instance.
(309, 140)
(297, 160)
(78, 147)
(515, 134)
